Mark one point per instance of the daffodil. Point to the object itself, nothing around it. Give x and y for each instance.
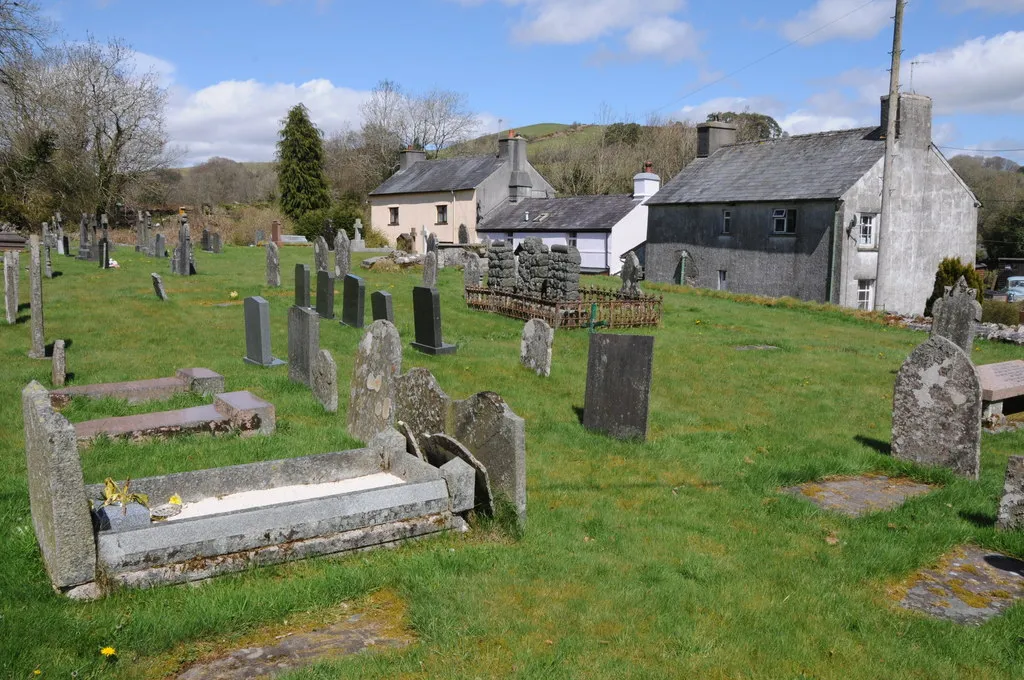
(108, 652)
(175, 500)
(233, 294)
(37, 672)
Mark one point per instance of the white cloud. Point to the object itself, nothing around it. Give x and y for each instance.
(664, 38)
(838, 19)
(803, 121)
(145, 63)
(1006, 6)
(578, 21)
(698, 113)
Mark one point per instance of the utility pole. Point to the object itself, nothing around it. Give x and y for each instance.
(883, 274)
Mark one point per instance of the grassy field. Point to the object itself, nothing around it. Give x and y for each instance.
(675, 558)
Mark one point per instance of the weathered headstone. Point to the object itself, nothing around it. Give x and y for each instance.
(1011, 507)
(59, 367)
(432, 243)
(302, 285)
(12, 263)
(619, 385)
(48, 260)
(35, 276)
(535, 348)
(325, 380)
(420, 402)
(320, 255)
(353, 301)
(83, 238)
(378, 362)
(632, 273)
(158, 286)
(357, 229)
(430, 269)
(472, 273)
(185, 265)
(257, 332)
(259, 238)
(325, 294)
(955, 313)
(60, 242)
(426, 308)
(440, 449)
(342, 255)
(273, 265)
(380, 303)
(936, 412)
(216, 245)
(206, 240)
(303, 342)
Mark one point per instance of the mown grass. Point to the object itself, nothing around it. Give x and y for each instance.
(671, 558)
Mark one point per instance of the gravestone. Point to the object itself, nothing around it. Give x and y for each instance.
(60, 242)
(275, 232)
(357, 229)
(426, 308)
(206, 240)
(1011, 507)
(325, 294)
(619, 385)
(12, 263)
(936, 412)
(104, 258)
(302, 285)
(158, 286)
(380, 303)
(273, 265)
(320, 256)
(472, 273)
(185, 262)
(35, 276)
(83, 239)
(59, 368)
(632, 273)
(342, 255)
(65, 246)
(440, 449)
(260, 237)
(431, 243)
(430, 269)
(216, 245)
(324, 380)
(257, 332)
(378, 363)
(159, 246)
(420, 402)
(404, 243)
(955, 313)
(303, 342)
(48, 263)
(353, 302)
(535, 348)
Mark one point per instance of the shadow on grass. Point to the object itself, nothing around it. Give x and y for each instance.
(24, 305)
(979, 519)
(878, 445)
(21, 319)
(67, 346)
(579, 413)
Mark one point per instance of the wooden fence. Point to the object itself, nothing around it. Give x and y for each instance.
(614, 309)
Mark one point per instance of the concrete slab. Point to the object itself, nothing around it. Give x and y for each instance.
(856, 496)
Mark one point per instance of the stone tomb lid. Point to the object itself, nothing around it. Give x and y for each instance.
(1002, 380)
(856, 496)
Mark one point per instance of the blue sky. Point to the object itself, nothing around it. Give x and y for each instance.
(234, 67)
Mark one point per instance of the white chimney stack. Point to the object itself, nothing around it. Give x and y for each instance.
(646, 183)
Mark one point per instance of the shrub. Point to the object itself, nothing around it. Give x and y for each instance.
(994, 311)
(342, 215)
(374, 238)
(949, 272)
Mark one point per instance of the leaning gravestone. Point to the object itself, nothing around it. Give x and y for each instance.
(430, 269)
(619, 385)
(302, 285)
(535, 348)
(342, 255)
(325, 294)
(35, 275)
(324, 379)
(954, 315)
(1011, 508)
(12, 261)
(380, 304)
(936, 411)
(353, 301)
(426, 309)
(472, 274)
(273, 265)
(59, 368)
(378, 363)
(158, 286)
(320, 256)
(257, 332)
(303, 342)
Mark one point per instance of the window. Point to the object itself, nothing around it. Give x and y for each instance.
(866, 232)
(570, 240)
(393, 214)
(866, 294)
(726, 221)
(784, 221)
(442, 214)
(722, 285)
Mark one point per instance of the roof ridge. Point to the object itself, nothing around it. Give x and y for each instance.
(822, 133)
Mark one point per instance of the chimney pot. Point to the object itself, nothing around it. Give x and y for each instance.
(713, 135)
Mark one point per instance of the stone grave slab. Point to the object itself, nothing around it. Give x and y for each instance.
(257, 331)
(302, 285)
(856, 496)
(619, 385)
(35, 276)
(324, 294)
(320, 255)
(380, 304)
(342, 255)
(1002, 380)
(955, 313)
(199, 380)
(59, 369)
(273, 265)
(426, 307)
(970, 585)
(353, 302)
(158, 286)
(303, 343)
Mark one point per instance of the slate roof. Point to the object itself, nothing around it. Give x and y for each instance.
(449, 174)
(572, 213)
(818, 166)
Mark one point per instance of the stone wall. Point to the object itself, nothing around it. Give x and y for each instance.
(532, 272)
(501, 266)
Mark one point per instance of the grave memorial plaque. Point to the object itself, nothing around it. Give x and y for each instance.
(302, 285)
(353, 303)
(158, 286)
(325, 294)
(619, 385)
(426, 307)
(380, 302)
(257, 332)
(1003, 380)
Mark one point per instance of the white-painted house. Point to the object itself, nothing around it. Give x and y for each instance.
(602, 228)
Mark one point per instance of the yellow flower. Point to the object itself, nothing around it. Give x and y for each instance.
(233, 294)
(37, 672)
(175, 500)
(108, 652)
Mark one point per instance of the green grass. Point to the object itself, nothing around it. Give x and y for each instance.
(672, 558)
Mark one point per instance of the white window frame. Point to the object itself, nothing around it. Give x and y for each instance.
(869, 220)
(570, 240)
(440, 207)
(393, 212)
(786, 218)
(723, 279)
(727, 222)
(866, 294)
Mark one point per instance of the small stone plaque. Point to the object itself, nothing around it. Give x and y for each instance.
(619, 385)
(1002, 381)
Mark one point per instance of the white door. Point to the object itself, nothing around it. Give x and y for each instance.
(593, 249)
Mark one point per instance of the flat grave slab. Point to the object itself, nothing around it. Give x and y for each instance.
(856, 496)
(1002, 380)
(970, 585)
(201, 380)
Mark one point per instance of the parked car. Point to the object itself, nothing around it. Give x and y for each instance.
(1015, 289)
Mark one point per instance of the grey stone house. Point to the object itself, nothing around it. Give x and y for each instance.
(799, 216)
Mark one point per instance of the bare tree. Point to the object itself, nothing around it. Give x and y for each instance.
(22, 31)
(385, 130)
(442, 117)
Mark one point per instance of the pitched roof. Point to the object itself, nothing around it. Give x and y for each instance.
(822, 165)
(449, 174)
(572, 213)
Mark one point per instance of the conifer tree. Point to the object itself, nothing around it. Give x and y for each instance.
(300, 165)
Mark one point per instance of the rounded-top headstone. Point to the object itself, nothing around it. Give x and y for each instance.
(378, 362)
(535, 348)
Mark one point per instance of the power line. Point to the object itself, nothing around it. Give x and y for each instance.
(960, 148)
(762, 58)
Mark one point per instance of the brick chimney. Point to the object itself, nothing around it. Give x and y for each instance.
(646, 183)
(409, 156)
(914, 124)
(713, 135)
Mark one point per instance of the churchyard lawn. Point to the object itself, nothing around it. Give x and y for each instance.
(678, 557)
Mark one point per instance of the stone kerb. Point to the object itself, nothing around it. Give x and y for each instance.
(199, 380)
(378, 362)
(56, 488)
(936, 417)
